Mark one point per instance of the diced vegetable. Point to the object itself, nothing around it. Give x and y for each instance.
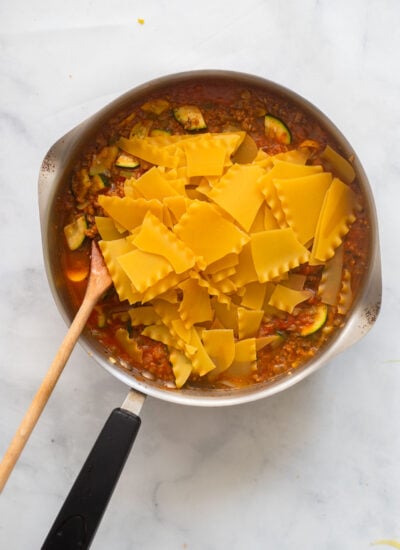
(99, 182)
(276, 130)
(81, 185)
(190, 117)
(141, 129)
(75, 232)
(156, 106)
(321, 314)
(101, 317)
(103, 161)
(127, 161)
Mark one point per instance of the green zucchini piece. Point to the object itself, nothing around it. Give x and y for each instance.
(156, 106)
(103, 161)
(81, 185)
(75, 232)
(276, 130)
(141, 129)
(320, 317)
(99, 182)
(127, 161)
(190, 117)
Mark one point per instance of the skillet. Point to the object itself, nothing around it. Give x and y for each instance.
(76, 524)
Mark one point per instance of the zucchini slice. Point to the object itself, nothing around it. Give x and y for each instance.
(127, 161)
(81, 184)
(321, 314)
(156, 106)
(276, 130)
(190, 117)
(99, 182)
(141, 129)
(75, 232)
(103, 161)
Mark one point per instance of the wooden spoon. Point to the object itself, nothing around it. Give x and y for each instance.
(99, 281)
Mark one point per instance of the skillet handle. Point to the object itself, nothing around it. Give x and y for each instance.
(81, 513)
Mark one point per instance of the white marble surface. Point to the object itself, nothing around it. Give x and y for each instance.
(315, 467)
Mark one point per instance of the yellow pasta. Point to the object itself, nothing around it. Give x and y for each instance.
(336, 216)
(211, 287)
(130, 212)
(195, 306)
(156, 238)
(225, 286)
(269, 219)
(226, 262)
(220, 346)
(331, 278)
(249, 321)
(201, 361)
(144, 315)
(183, 336)
(301, 200)
(294, 281)
(154, 185)
(181, 366)
(245, 270)
(263, 341)
(106, 228)
(245, 350)
(227, 316)
(111, 251)
(177, 205)
(149, 151)
(204, 157)
(286, 299)
(254, 295)
(282, 169)
(129, 345)
(223, 274)
(159, 333)
(238, 193)
(144, 269)
(202, 216)
(345, 298)
(203, 247)
(161, 286)
(276, 251)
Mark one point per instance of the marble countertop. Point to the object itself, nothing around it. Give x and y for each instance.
(314, 467)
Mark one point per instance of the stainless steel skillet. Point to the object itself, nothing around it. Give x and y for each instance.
(88, 498)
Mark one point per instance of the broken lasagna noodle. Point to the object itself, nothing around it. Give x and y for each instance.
(235, 252)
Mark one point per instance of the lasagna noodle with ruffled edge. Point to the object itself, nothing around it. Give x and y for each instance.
(202, 273)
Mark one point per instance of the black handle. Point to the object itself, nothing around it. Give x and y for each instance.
(81, 513)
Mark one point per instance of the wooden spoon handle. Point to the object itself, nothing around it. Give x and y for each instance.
(42, 395)
(99, 281)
